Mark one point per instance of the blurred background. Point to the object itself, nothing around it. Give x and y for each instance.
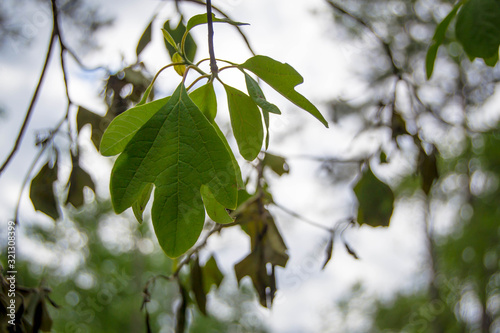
(390, 216)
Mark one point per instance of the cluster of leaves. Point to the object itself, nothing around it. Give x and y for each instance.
(30, 313)
(175, 144)
(477, 28)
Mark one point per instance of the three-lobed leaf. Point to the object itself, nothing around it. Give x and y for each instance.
(177, 150)
(283, 78)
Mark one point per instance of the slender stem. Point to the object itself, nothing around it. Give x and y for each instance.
(31, 107)
(213, 62)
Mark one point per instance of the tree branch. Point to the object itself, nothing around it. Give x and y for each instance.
(31, 107)
(213, 63)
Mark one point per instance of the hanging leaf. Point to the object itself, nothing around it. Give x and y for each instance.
(178, 150)
(214, 209)
(375, 199)
(205, 99)
(177, 34)
(140, 205)
(283, 78)
(124, 127)
(276, 163)
(197, 285)
(246, 123)
(180, 314)
(42, 191)
(478, 28)
(258, 96)
(211, 275)
(427, 167)
(438, 39)
(97, 122)
(78, 179)
(144, 40)
(202, 19)
(267, 247)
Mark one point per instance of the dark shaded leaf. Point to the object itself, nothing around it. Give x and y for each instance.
(97, 122)
(78, 179)
(197, 285)
(211, 275)
(42, 191)
(180, 314)
(144, 40)
(478, 28)
(375, 199)
(428, 169)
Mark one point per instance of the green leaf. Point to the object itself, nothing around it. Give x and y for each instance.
(211, 275)
(179, 151)
(97, 122)
(246, 123)
(214, 209)
(140, 205)
(427, 166)
(478, 28)
(180, 69)
(276, 163)
(438, 39)
(169, 38)
(283, 78)
(258, 96)
(144, 40)
(375, 199)
(239, 179)
(177, 35)
(202, 19)
(197, 285)
(205, 99)
(78, 179)
(42, 191)
(123, 127)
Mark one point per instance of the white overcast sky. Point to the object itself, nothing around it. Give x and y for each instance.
(298, 32)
